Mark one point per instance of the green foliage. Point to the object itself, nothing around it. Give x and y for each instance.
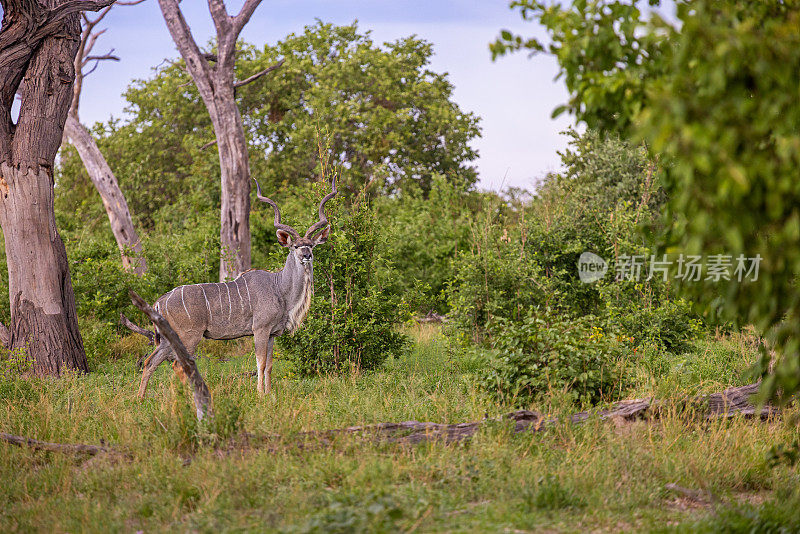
(545, 352)
(101, 285)
(726, 116)
(391, 120)
(714, 95)
(352, 323)
(524, 253)
(14, 362)
(425, 235)
(670, 325)
(495, 278)
(604, 57)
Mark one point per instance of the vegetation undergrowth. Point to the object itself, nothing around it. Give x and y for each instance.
(594, 476)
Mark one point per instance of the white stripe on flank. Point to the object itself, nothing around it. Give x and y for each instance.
(241, 300)
(248, 293)
(210, 317)
(220, 296)
(184, 303)
(166, 302)
(230, 308)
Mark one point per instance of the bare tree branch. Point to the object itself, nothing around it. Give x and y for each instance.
(210, 143)
(244, 15)
(196, 63)
(258, 75)
(103, 57)
(130, 325)
(92, 23)
(71, 6)
(87, 40)
(202, 397)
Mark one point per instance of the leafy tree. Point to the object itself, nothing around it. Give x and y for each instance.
(391, 121)
(604, 57)
(718, 102)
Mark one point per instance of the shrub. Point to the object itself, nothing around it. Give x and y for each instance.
(524, 252)
(494, 279)
(352, 323)
(670, 325)
(544, 352)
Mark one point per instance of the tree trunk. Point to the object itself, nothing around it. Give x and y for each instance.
(234, 230)
(38, 43)
(105, 182)
(216, 86)
(43, 319)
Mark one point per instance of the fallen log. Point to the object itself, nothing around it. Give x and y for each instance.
(729, 403)
(69, 448)
(726, 404)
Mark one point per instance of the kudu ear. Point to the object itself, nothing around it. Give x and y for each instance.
(323, 236)
(284, 238)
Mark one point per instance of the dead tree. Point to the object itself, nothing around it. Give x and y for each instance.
(215, 80)
(97, 167)
(38, 43)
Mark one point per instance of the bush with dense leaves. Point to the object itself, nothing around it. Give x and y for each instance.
(546, 352)
(524, 253)
(352, 323)
(670, 325)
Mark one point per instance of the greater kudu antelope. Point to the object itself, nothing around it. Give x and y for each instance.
(258, 303)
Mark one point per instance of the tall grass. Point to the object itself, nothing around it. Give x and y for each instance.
(598, 476)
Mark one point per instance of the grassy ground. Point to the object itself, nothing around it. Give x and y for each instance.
(597, 476)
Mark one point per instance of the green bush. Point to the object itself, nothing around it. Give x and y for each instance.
(425, 235)
(524, 252)
(352, 323)
(670, 325)
(545, 352)
(494, 279)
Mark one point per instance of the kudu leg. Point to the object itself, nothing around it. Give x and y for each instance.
(268, 371)
(152, 362)
(261, 342)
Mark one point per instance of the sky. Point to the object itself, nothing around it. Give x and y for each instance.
(514, 96)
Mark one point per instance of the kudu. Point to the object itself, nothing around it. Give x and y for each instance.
(258, 303)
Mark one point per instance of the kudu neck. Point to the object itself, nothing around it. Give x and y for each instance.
(294, 274)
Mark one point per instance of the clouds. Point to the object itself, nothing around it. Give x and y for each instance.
(514, 96)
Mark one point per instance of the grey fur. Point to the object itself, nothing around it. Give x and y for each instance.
(278, 302)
